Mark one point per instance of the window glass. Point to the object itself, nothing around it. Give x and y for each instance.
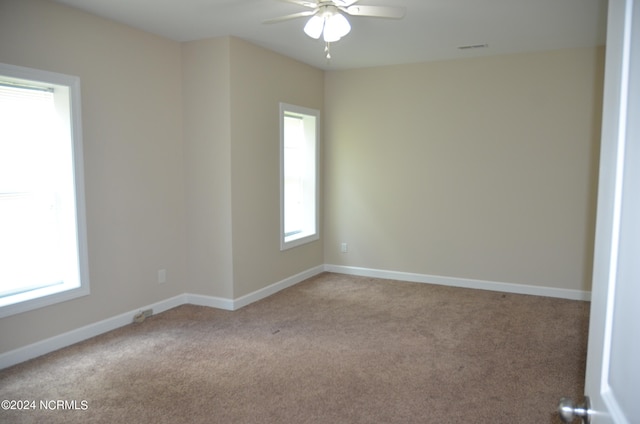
(40, 245)
(299, 175)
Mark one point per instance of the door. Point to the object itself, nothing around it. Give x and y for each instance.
(613, 360)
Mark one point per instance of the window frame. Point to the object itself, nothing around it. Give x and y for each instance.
(288, 242)
(70, 94)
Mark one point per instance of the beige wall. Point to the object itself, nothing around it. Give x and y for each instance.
(260, 79)
(132, 132)
(482, 168)
(196, 196)
(232, 91)
(207, 137)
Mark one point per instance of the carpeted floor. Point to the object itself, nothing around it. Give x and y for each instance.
(333, 349)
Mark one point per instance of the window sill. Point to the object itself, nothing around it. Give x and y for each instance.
(16, 304)
(298, 240)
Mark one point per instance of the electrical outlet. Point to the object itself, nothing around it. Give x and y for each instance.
(162, 276)
(344, 248)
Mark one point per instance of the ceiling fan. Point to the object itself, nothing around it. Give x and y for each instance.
(328, 17)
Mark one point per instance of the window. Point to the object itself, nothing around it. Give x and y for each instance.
(298, 175)
(42, 227)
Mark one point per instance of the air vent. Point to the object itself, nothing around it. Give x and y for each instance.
(473, 46)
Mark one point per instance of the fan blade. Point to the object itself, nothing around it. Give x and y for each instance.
(376, 11)
(345, 3)
(303, 3)
(292, 16)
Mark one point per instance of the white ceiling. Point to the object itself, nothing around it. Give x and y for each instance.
(431, 29)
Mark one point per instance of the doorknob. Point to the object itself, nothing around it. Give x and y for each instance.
(569, 411)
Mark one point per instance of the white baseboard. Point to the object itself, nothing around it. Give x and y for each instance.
(276, 287)
(235, 304)
(462, 282)
(210, 301)
(51, 344)
(232, 305)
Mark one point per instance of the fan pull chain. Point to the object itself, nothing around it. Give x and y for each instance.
(327, 50)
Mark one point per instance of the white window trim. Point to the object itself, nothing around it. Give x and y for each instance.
(293, 109)
(44, 296)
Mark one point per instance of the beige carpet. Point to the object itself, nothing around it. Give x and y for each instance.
(333, 349)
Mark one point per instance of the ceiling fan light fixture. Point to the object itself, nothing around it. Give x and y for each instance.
(328, 18)
(336, 26)
(314, 26)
